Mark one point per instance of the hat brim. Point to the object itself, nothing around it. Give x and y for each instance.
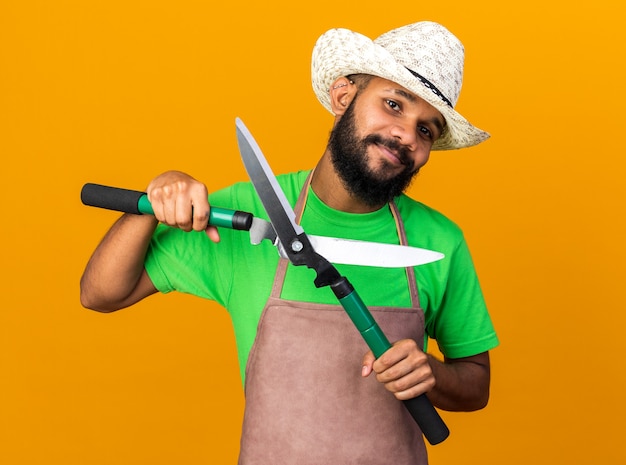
(341, 52)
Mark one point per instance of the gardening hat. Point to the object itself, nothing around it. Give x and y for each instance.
(423, 57)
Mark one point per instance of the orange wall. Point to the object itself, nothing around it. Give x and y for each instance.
(115, 92)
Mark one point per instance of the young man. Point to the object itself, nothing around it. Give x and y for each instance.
(314, 393)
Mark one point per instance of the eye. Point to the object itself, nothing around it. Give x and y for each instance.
(425, 132)
(395, 106)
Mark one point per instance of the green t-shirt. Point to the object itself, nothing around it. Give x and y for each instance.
(239, 275)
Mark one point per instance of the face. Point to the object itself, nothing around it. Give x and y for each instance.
(382, 140)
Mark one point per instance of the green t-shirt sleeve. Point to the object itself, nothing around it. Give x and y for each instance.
(189, 262)
(455, 311)
(461, 324)
(185, 261)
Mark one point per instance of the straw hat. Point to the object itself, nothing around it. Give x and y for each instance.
(423, 57)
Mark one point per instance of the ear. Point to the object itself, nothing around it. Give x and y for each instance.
(342, 91)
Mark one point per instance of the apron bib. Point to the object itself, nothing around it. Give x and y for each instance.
(306, 402)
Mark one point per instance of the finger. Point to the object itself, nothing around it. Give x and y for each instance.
(168, 197)
(394, 372)
(402, 359)
(400, 350)
(411, 385)
(192, 207)
(367, 364)
(200, 218)
(201, 208)
(182, 212)
(406, 380)
(213, 233)
(154, 196)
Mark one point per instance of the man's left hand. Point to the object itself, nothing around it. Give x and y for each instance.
(403, 369)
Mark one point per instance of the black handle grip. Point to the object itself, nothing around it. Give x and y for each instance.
(111, 198)
(136, 202)
(428, 419)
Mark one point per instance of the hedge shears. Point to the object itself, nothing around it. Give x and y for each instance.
(300, 251)
(319, 253)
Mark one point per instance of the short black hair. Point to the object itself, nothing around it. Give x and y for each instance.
(361, 80)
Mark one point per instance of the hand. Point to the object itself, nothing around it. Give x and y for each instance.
(403, 369)
(180, 201)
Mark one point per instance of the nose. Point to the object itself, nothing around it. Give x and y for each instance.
(406, 134)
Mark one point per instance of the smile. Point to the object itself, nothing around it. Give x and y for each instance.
(392, 155)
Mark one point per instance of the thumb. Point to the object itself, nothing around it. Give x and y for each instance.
(213, 234)
(368, 362)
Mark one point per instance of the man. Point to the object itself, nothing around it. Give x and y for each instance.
(314, 393)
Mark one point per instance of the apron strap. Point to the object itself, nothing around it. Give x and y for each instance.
(410, 271)
(281, 271)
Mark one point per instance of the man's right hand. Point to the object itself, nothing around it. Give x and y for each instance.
(115, 277)
(181, 201)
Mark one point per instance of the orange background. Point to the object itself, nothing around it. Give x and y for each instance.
(116, 92)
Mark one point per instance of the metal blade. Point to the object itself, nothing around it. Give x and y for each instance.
(353, 252)
(281, 214)
(350, 251)
(261, 230)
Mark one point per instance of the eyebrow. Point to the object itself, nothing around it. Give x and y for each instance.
(405, 94)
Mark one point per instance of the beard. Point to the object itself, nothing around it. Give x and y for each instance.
(374, 187)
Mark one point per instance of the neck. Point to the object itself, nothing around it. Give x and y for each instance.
(329, 187)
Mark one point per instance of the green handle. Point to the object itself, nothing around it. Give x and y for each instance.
(420, 407)
(136, 202)
(365, 323)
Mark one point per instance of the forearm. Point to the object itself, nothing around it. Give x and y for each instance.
(114, 276)
(461, 384)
